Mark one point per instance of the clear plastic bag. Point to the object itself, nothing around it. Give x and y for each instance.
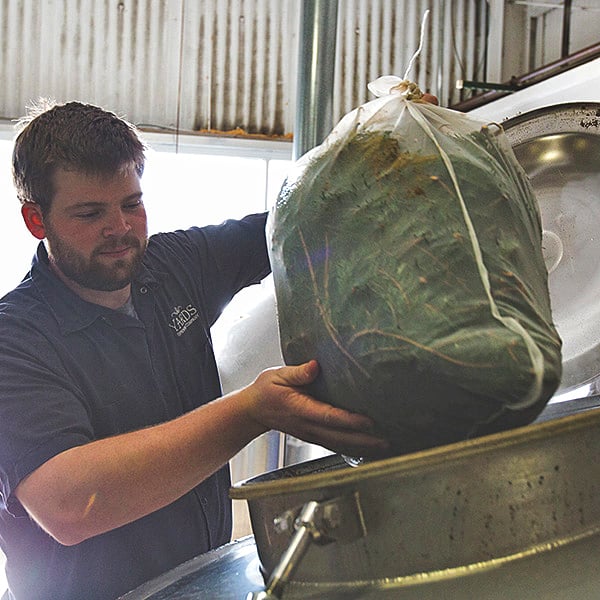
(407, 259)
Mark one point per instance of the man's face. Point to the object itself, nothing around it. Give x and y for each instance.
(96, 229)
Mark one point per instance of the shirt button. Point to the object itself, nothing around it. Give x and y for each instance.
(143, 290)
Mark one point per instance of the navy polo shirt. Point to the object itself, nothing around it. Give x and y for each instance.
(73, 372)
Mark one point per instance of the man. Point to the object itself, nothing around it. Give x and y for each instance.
(114, 442)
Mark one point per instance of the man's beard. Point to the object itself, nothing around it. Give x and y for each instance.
(90, 272)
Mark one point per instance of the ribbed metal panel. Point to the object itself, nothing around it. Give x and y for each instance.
(238, 64)
(222, 64)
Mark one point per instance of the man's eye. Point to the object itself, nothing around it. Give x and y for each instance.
(132, 205)
(87, 215)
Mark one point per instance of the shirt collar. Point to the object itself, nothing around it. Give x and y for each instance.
(72, 312)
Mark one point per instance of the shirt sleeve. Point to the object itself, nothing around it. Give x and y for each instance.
(221, 259)
(41, 413)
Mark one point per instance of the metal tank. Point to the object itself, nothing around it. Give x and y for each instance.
(559, 148)
(514, 514)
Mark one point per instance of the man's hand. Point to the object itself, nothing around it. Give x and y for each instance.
(277, 400)
(430, 98)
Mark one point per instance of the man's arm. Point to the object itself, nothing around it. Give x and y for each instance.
(91, 489)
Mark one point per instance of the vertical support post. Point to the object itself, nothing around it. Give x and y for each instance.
(316, 66)
(314, 119)
(566, 28)
(495, 42)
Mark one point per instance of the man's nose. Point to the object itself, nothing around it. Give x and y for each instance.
(116, 224)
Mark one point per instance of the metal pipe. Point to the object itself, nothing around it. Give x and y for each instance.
(560, 66)
(566, 28)
(316, 66)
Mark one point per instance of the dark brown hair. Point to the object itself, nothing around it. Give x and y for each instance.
(73, 136)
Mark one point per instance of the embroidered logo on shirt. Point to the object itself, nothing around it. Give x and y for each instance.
(182, 318)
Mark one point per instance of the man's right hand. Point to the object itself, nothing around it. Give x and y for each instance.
(277, 400)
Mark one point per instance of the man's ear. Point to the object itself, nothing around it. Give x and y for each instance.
(32, 215)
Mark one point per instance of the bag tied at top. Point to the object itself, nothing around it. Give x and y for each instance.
(407, 259)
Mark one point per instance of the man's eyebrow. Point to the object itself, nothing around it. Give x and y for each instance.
(85, 204)
(97, 203)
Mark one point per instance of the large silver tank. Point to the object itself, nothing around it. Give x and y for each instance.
(514, 514)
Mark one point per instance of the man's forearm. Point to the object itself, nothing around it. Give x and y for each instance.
(91, 489)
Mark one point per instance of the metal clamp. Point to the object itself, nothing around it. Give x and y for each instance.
(338, 519)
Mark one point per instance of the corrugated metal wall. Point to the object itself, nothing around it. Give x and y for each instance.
(222, 64)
